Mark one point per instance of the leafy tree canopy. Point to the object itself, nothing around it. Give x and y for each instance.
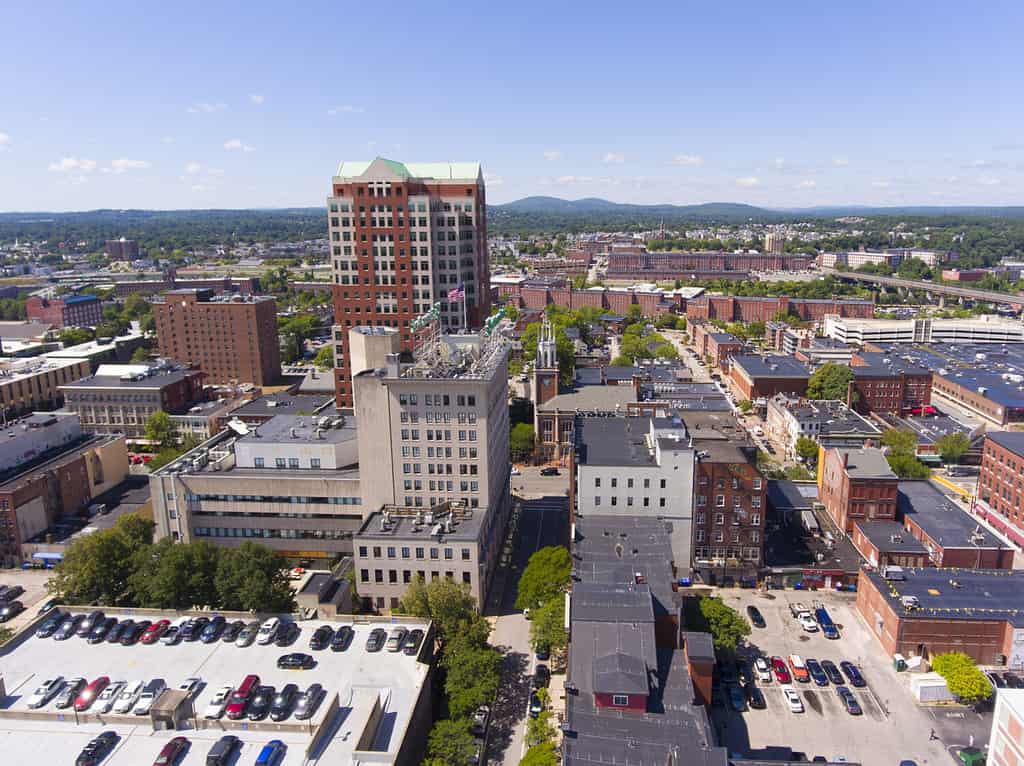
(907, 466)
(807, 449)
(963, 677)
(450, 606)
(521, 440)
(160, 429)
(953, 446)
(544, 577)
(830, 381)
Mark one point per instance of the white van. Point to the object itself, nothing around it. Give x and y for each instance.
(268, 631)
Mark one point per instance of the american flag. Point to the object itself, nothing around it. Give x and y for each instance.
(458, 293)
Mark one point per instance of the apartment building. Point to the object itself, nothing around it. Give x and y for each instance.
(886, 383)
(775, 242)
(231, 338)
(404, 237)
(122, 249)
(35, 383)
(761, 377)
(714, 345)
(1001, 483)
(830, 423)
(69, 311)
(120, 398)
(857, 484)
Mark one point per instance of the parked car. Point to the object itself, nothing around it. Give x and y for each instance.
(117, 631)
(1012, 681)
(849, 700)
(68, 627)
(807, 623)
(271, 753)
(11, 592)
(793, 701)
(268, 631)
(542, 653)
(321, 638)
(756, 618)
(549, 471)
(222, 750)
(194, 628)
(755, 699)
(281, 707)
(995, 679)
(129, 696)
(541, 676)
(215, 707)
(89, 694)
(172, 635)
(832, 672)
(307, 702)
(107, 699)
(376, 639)
(287, 634)
(45, 692)
(191, 686)
(49, 604)
(231, 631)
(67, 695)
(481, 720)
(153, 633)
(852, 674)
(764, 670)
(798, 669)
(535, 705)
(781, 670)
(239, 701)
(213, 629)
(342, 638)
(816, 673)
(737, 698)
(172, 752)
(51, 624)
(149, 694)
(85, 626)
(97, 749)
(99, 633)
(248, 634)
(10, 610)
(411, 646)
(131, 633)
(259, 705)
(295, 661)
(396, 639)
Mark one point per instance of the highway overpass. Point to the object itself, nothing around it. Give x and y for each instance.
(1016, 301)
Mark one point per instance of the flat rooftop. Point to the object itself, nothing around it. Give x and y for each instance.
(786, 495)
(292, 429)
(832, 417)
(1011, 440)
(941, 519)
(158, 379)
(956, 594)
(284, 404)
(775, 366)
(614, 442)
(591, 399)
(890, 537)
(879, 365)
(867, 464)
(358, 679)
(426, 526)
(928, 428)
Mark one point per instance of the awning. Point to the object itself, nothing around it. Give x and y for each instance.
(48, 556)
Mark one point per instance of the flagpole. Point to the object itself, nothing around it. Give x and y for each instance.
(465, 322)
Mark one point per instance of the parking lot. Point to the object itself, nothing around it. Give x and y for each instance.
(892, 726)
(360, 679)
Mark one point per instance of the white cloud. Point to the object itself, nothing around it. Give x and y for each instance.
(779, 163)
(235, 144)
(192, 168)
(552, 155)
(206, 108)
(840, 162)
(989, 181)
(687, 159)
(73, 164)
(5, 140)
(492, 180)
(345, 109)
(257, 99)
(123, 165)
(881, 184)
(807, 185)
(613, 157)
(566, 180)
(747, 182)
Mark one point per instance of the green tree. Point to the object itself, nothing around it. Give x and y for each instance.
(634, 313)
(136, 307)
(666, 351)
(547, 625)
(252, 578)
(807, 449)
(963, 677)
(543, 754)
(907, 466)
(324, 359)
(900, 441)
(171, 575)
(744, 405)
(141, 354)
(72, 336)
(545, 576)
(622, 361)
(830, 381)
(728, 627)
(450, 743)
(953, 446)
(160, 429)
(540, 729)
(473, 675)
(452, 608)
(521, 441)
(97, 567)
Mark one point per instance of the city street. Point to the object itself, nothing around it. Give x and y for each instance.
(543, 520)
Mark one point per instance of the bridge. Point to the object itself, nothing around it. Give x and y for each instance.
(1016, 301)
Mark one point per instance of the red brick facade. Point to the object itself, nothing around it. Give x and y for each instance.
(663, 265)
(730, 308)
(848, 499)
(728, 513)
(73, 311)
(616, 301)
(1001, 488)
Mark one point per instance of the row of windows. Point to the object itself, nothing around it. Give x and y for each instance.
(438, 400)
(281, 534)
(746, 554)
(629, 501)
(432, 435)
(737, 501)
(629, 483)
(719, 537)
(273, 499)
(407, 577)
(701, 518)
(406, 552)
(417, 207)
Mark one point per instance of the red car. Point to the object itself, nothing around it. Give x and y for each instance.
(239, 701)
(172, 751)
(781, 671)
(89, 694)
(154, 631)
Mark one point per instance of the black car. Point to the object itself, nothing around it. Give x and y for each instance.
(1012, 681)
(281, 707)
(535, 705)
(342, 638)
(85, 626)
(11, 592)
(213, 630)
(296, 661)
(194, 629)
(131, 634)
(97, 749)
(222, 750)
(100, 631)
(68, 627)
(549, 471)
(541, 676)
(411, 646)
(11, 610)
(832, 672)
(817, 674)
(307, 702)
(51, 624)
(375, 642)
(849, 701)
(259, 705)
(287, 634)
(755, 699)
(321, 638)
(114, 633)
(231, 632)
(756, 618)
(852, 674)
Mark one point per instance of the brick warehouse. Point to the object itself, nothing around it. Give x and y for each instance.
(1001, 483)
(653, 304)
(924, 612)
(730, 308)
(402, 236)
(672, 265)
(69, 311)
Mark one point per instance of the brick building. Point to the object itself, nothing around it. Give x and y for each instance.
(122, 249)
(855, 484)
(1001, 483)
(665, 265)
(762, 377)
(888, 383)
(231, 338)
(731, 308)
(69, 311)
(653, 303)
(713, 344)
(402, 237)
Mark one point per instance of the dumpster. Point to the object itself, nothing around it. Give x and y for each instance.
(899, 663)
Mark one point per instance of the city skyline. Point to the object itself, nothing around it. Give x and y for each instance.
(882, 106)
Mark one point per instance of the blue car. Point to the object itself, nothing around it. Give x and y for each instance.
(271, 753)
(852, 674)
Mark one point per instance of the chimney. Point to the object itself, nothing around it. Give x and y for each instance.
(846, 459)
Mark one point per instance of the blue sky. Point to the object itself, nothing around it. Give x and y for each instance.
(252, 105)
